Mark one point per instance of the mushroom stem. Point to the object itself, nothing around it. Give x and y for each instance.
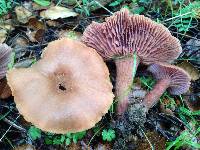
(125, 74)
(153, 96)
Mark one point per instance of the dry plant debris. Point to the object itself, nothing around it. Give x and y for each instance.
(56, 12)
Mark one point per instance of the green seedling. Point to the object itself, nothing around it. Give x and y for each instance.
(108, 135)
(12, 61)
(43, 2)
(115, 3)
(66, 139)
(34, 133)
(5, 5)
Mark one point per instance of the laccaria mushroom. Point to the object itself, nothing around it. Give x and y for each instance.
(123, 35)
(170, 77)
(5, 57)
(68, 90)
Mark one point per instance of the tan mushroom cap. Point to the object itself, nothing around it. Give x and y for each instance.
(68, 90)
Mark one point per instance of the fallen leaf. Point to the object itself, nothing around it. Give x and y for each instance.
(35, 24)
(70, 2)
(43, 2)
(56, 12)
(193, 102)
(25, 147)
(39, 35)
(31, 35)
(36, 7)
(5, 26)
(23, 14)
(52, 23)
(190, 69)
(19, 41)
(3, 34)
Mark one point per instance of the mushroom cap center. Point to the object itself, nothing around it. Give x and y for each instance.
(62, 81)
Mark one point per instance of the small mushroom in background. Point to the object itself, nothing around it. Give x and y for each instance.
(123, 35)
(170, 77)
(5, 57)
(68, 90)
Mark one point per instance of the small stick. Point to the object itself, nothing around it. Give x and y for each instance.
(177, 16)
(104, 7)
(9, 128)
(14, 125)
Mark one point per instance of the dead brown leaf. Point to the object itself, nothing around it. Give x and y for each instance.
(190, 69)
(25, 147)
(3, 34)
(56, 12)
(35, 24)
(23, 14)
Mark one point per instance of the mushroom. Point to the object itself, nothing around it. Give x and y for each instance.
(170, 77)
(121, 37)
(68, 90)
(5, 57)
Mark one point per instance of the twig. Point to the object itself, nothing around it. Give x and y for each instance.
(104, 7)
(177, 16)
(152, 147)
(95, 135)
(8, 129)
(185, 35)
(14, 125)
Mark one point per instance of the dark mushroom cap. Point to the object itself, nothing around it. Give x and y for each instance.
(179, 79)
(68, 90)
(5, 55)
(123, 34)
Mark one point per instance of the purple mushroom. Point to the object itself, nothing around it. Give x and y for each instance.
(123, 35)
(170, 77)
(5, 54)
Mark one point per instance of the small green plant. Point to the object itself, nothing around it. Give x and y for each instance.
(185, 15)
(5, 5)
(43, 2)
(135, 10)
(12, 61)
(189, 137)
(185, 139)
(108, 135)
(34, 133)
(83, 9)
(116, 3)
(66, 139)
